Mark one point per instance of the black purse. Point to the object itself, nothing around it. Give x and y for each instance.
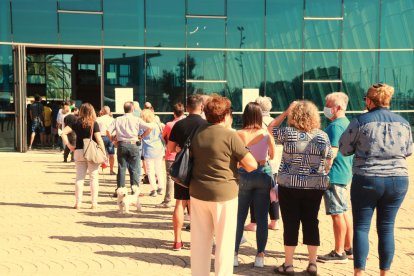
(180, 170)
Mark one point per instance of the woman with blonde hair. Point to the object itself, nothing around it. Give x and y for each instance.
(154, 151)
(84, 127)
(302, 179)
(380, 141)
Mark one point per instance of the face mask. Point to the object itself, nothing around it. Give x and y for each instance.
(327, 111)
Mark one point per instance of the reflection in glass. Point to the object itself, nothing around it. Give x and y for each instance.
(245, 24)
(6, 79)
(80, 29)
(7, 125)
(164, 23)
(283, 78)
(203, 65)
(322, 34)
(284, 24)
(397, 19)
(35, 23)
(207, 88)
(396, 69)
(323, 8)
(361, 22)
(165, 85)
(80, 5)
(5, 30)
(205, 33)
(124, 23)
(316, 92)
(203, 7)
(359, 71)
(123, 68)
(322, 66)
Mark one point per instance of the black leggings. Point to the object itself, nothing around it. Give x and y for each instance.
(300, 206)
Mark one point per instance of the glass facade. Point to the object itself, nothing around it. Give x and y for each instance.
(165, 50)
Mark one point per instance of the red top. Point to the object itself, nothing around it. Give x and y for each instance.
(166, 135)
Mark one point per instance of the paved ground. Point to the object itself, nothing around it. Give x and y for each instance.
(40, 233)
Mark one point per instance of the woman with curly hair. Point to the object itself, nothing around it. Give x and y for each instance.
(302, 179)
(84, 127)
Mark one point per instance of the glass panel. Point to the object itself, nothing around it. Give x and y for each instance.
(7, 125)
(5, 30)
(284, 24)
(80, 5)
(359, 71)
(244, 70)
(165, 23)
(361, 24)
(283, 78)
(165, 79)
(207, 88)
(206, 7)
(322, 34)
(6, 79)
(397, 20)
(123, 69)
(124, 23)
(205, 65)
(245, 24)
(205, 33)
(322, 66)
(35, 23)
(316, 92)
(323, 8)
(396, 69)
(82, 29)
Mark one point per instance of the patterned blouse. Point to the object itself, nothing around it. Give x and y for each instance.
(303, 159)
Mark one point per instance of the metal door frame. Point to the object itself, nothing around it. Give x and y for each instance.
(19, 71)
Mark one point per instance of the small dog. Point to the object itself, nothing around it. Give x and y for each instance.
(124, 200)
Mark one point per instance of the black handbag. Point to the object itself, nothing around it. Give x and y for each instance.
(180, 170)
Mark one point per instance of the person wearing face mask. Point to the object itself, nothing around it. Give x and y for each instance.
(336, 196)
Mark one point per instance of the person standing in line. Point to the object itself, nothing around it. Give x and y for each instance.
(37, 116)
(302, 179)
(83, 126)
(254, 187)
(178, 109)
(179, 134)
(154, 151)
(340, 175)
(127, 128)
(380, 141)
(60, 123)
(47, 122)
(217, 150)
(104, 121)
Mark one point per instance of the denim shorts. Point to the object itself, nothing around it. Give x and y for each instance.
(37, 126)
(109, 146)
(336, 199)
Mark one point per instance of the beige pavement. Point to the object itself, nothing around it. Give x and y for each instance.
(40, 233)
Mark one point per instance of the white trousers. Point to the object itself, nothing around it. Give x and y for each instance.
(82, 167)
(208, 220)
(156, 166)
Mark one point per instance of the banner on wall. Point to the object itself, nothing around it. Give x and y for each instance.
(122, 95)
(249, 95)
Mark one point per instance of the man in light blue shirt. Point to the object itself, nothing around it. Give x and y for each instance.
(127, 128)
(340, 175)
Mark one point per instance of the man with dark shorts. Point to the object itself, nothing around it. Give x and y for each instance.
(179, 134)
(37, 117)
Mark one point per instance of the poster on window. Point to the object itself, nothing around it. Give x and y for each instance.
(122, 95)
(249, 95)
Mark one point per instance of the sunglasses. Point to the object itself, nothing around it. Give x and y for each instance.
(378, 85)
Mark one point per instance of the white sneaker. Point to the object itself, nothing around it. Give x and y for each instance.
(236, 260)
(259, 261)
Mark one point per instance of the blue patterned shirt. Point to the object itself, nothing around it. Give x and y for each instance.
(381, 141)
(303, 159)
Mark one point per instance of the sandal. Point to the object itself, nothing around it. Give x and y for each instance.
(312, 272)
(284, 270)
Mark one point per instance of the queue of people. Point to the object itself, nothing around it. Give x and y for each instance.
(236, 170)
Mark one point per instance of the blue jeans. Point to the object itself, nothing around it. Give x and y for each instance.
(129, 157)
(386, 195)
(254, 186)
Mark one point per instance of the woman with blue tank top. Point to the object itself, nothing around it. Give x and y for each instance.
(255, 186)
